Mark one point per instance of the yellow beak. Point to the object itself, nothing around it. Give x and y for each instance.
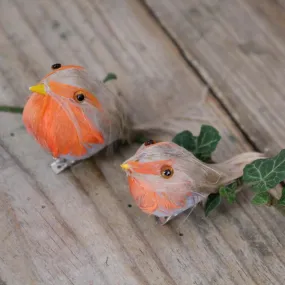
(40, 89)
(125, 166)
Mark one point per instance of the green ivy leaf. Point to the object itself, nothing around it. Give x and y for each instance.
(213, 201)
(110, 76)
(201, 146)
(261, 198)
(207, 141)
(265, 174)
(11, 109)
(186, 140)
(229, 192)
(281, 201)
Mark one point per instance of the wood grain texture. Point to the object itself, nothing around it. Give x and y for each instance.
(78, 227)
(238, 47)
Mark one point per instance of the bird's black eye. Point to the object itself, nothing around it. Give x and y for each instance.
(79, 96)
(56, 66)
(166, 171)
(149, 142)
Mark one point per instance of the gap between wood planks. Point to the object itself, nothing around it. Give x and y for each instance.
(195, 68)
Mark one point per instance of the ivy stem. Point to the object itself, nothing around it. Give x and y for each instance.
(273, 202)
(11, 109)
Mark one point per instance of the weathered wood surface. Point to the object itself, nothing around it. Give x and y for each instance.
(77, 227)
(238, 47)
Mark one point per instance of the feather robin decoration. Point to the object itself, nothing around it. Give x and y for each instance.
(166, 179)
(73, 116)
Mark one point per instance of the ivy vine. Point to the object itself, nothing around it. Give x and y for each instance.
(261, 175)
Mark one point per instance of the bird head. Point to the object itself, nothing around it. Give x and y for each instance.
(70, 82)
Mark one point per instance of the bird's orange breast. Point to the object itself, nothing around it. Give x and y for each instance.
(56, 130)
(150, 201)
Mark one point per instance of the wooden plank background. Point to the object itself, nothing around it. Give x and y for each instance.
(238, 47)
(81, 227)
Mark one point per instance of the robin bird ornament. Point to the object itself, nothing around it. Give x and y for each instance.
(73, 116)
(165, 179)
